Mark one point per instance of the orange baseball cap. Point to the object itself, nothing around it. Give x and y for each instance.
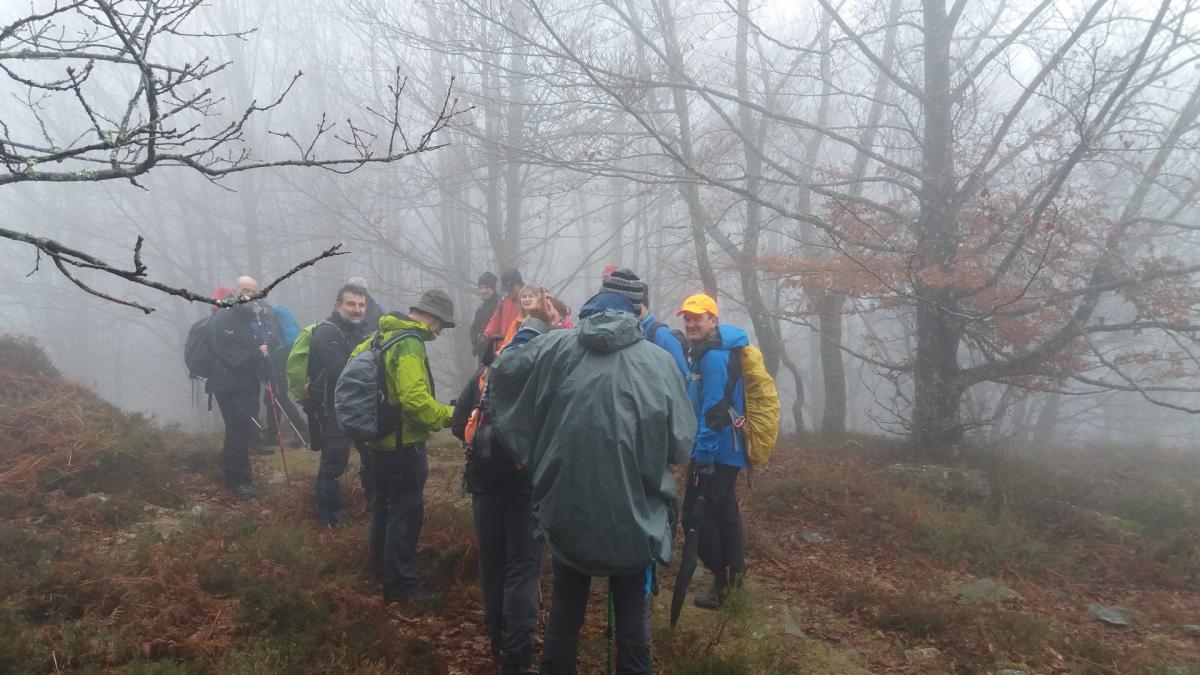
(698, 304)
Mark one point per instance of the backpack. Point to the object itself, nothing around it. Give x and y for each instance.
(360, 396)
(299, 375)
(198, 353)
(288, 328)
(679, 335)
(761, 425)
(489, 462)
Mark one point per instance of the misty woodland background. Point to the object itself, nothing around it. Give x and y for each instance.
(962, 233)
(975, 219)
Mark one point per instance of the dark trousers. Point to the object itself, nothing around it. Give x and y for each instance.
(722, 546)
(238, 409)
(568, 605)
(335, 456)
(510, 563)
(397, 514)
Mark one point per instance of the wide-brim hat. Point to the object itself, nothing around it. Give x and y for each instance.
(437, 303)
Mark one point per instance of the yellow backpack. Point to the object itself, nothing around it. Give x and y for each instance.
(761, 428)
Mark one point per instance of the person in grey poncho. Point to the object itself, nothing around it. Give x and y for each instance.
(596, 414)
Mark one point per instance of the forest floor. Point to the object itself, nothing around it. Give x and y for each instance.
(120, 553)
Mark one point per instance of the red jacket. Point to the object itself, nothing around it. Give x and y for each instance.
(506, 312)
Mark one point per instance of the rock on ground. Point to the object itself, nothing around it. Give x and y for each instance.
(970, 483)
(985, 590)
(1117, 617)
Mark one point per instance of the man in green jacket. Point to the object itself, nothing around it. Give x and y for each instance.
(596, 414)
(399, 464)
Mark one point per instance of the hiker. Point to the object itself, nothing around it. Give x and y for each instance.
(222, 293)
(510, 558)
(375, 311)
(506, 311)
(628, 283)
(398, 461)
(595, 415)
(241, 364)
(487, 293)
(564, 314)
(718, 455)
(332, 341)
(527, 299)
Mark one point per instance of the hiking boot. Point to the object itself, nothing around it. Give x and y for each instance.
(710, 600)
(715, 597)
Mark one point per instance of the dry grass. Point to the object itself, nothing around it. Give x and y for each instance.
(87, 585)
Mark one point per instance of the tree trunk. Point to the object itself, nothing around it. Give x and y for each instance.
(687, 187)
(1047, 420)
(936, 426)
(833, 370)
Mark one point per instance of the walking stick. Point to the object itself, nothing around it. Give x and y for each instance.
(608, 632)
(278, 430)
(291, 423)
(275, 408)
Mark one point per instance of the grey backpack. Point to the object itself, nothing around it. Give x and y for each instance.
(360, 396)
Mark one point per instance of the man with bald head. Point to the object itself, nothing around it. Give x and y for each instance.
(241, 364)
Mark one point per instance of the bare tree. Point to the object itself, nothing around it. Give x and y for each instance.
(170, 116)
(1003, 180)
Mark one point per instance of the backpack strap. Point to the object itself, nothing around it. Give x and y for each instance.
(320, 323)
(733, 376)
(392, 340)
(723, 412)
(654, 328)
(380, 348)
(734, 373)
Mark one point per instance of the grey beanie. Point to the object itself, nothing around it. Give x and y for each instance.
(626, 283)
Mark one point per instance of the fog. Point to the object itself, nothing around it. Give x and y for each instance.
(983, 233)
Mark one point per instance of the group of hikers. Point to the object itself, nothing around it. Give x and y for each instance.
(570, 429)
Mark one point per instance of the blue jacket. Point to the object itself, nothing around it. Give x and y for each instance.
(287, 323)
(706, 388)
(666, 339)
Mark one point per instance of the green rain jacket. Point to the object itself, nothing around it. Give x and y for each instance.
(596, 413)
(409, 383)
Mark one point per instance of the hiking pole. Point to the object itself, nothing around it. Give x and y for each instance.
(275, 407)
(291, 423)
(608, 632)
(278, 431)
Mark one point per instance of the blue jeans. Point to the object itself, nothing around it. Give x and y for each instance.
(397, 514)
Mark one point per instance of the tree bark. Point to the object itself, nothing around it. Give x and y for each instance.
(833, 370)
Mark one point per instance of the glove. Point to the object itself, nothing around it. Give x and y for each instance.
(702, 475)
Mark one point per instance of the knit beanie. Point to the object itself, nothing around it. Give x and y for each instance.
(509, 278)
(624, 282)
